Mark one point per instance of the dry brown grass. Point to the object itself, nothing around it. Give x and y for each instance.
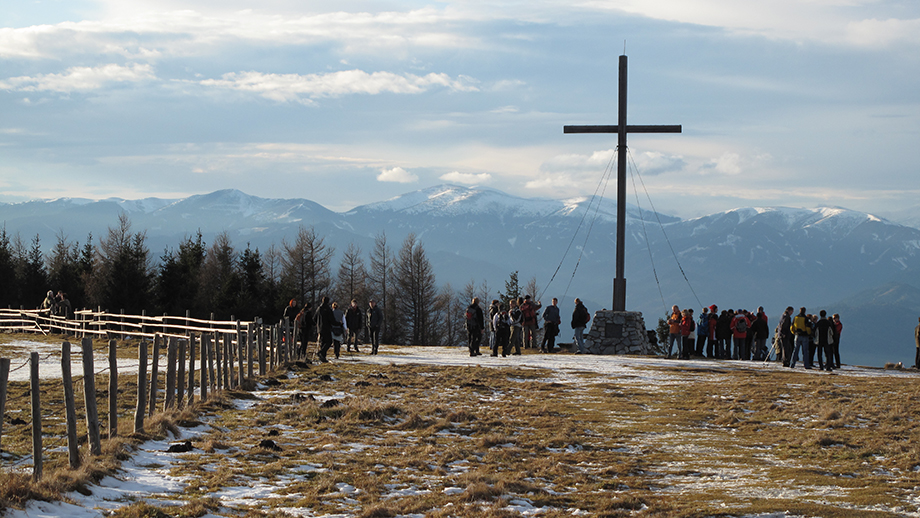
(469, 441)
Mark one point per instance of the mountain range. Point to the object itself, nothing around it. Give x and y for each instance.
(844, 261)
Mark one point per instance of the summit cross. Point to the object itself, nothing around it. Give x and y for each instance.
(619, 282)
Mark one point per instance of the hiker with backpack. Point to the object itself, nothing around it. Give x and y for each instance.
(501, 322)
(529, 322)
(740, 325)
(801, 328)
(475, 324)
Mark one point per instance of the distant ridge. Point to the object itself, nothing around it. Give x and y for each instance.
(741, 258)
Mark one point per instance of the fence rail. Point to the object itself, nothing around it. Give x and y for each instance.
(90, 323)
(228, 353)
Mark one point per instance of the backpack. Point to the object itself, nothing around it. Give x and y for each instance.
(741, 325)
(502, 325)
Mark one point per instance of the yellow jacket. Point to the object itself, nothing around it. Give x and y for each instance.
(799, 327)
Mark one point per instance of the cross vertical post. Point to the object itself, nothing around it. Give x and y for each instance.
(621, 129)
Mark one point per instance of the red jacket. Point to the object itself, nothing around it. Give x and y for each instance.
(685, 324)
(747, 325)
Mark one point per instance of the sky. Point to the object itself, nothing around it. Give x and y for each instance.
(798, 103)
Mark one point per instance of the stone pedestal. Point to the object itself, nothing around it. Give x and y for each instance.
(618, 332)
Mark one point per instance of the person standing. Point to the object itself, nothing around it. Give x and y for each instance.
(551, 322)
(494, 309)
(786, 336)
(501, 322)
(529, 321)
(517, 331)
(712, 348)
(674, 330)
(917, 340)
(686, 334)
(580, 319)
(760, 331)
(374, 320)
(304, 321)
(354, 321)
(835, 348)
(724, 334)
(339, 329)
(801, 328)
(324, 320)
(702, 332)
(740, 326)
(824, 337)
(475, 323)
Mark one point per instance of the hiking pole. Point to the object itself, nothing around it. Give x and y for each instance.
(776, 340)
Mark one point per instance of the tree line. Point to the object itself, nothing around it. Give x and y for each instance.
(119, 272)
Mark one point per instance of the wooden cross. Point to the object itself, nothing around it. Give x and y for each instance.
(619, 282)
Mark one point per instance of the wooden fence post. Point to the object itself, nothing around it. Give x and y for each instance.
(261, 335)
(249, 351)
(241, 348)
(205, 342)
(154, 374)
(36, 418)
(4, 379)
(113, 389)
(180, 373)
(218, 363)
(212, 337)
(141, 387)
(170, 399)
(89, 398)
(70, 411)
(228, 379)
(191, 369)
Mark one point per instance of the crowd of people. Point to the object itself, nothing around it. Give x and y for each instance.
(58, 305)
(330, 326)
(743, 335)
(509, 328)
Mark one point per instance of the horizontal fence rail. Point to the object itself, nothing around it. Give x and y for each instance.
(102, 324)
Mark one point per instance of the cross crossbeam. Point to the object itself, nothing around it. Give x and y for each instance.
(621, 129)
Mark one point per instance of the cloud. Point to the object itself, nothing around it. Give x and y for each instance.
(882, 33)
(654, 162)
(466, 178)
(396, 174)
(733, 164)
(302, 88)
(80, 79)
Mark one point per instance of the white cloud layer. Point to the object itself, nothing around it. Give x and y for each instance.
(396, 174)
(296, 87)
(466, 178)
(80, 78)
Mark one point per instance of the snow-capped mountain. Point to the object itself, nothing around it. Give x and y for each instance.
(741, 258)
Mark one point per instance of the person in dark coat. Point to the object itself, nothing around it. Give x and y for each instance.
(786, 336)
(374, 321)
(824, 337)
(760, 330)
(551, 322)
(354, 320)
(304, 320)
(475, 324)
(324, 320)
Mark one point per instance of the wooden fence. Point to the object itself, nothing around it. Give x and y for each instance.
(207, 355)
